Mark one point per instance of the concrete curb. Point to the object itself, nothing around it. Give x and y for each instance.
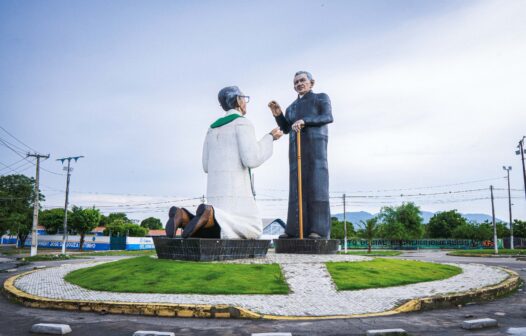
(227, 311)
(482, 255)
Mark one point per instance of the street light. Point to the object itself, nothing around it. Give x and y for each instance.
(521, 151)
(507, 169)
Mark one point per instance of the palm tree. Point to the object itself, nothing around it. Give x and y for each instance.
(370, 228)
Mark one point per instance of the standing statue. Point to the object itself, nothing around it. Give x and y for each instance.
(230, 151)
(309, 114)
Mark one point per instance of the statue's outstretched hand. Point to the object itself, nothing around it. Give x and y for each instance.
(275, 108)
(276, 133)
(298, 125)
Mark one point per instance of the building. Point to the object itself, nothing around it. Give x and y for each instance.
(272, 228)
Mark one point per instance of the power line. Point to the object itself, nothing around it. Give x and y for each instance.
(430, 187)
(412, 195)
(10, 146)
(30, 148)
(10, 165)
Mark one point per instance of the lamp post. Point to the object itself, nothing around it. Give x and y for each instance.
(521, 152)
(507, 169)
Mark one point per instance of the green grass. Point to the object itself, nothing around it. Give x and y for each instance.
(386, 273)
(9, 250)
(374, 253)
(24, 255)
(486, 252)
(49, 257)
(118, 253)
(48, 252)
(148, 275)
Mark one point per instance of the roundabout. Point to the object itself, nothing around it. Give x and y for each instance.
(312, 293)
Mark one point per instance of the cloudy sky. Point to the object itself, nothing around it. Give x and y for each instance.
(428, 97)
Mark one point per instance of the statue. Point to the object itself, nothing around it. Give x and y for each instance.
(309, 114)
(230, 152)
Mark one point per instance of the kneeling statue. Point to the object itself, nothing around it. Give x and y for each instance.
(231, 150)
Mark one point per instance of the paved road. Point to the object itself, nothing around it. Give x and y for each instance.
(17, 320)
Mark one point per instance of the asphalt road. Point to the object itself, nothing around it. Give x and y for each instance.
(510, 312)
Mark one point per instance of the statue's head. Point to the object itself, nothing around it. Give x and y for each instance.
(303, 82)
(231, 97)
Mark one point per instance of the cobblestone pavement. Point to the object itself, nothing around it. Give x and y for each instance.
(312, 291)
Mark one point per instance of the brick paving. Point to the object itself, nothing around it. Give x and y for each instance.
(312, 290)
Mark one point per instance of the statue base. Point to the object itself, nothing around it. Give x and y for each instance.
(205, 249)
(307, 246)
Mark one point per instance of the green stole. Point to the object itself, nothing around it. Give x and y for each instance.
(225, 120)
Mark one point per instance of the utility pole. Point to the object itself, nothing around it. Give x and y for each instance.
(521, 153)
(68, 169)
(495, 242)
(507, 169)
(34, 229)
(344, 225)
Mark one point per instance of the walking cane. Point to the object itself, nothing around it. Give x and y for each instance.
(300, 192)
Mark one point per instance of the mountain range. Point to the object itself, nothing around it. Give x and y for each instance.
(356, 217)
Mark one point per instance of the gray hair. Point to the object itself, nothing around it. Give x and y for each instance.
(228, 97)
(308, 74)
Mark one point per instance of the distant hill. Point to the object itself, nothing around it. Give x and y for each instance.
(480, 218)
(356, 217)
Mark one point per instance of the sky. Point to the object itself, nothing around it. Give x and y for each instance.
(427, 96)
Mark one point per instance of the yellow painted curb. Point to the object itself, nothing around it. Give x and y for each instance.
(228, 311)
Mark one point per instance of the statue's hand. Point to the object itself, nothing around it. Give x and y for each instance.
(276, 133)
(298, 125)
(275, 108)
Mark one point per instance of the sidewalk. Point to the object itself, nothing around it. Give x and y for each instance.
(312, 292)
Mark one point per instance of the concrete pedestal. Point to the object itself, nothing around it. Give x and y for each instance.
(307, 246)
(202, 249)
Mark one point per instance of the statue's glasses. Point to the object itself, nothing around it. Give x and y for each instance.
(246, 98)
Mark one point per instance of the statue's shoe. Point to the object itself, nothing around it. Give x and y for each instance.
(177, 217)
(314, 235)
(285, 236)
(204, 218)
(170, 224)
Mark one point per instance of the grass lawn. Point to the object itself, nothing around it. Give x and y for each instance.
(118, 253)
(49, 257)
(148, 275)
(386, 273)
(9, 250)
(79, 255)
(486, 252)
(374, 253)
(23, 252)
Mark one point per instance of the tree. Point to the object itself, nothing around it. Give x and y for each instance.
(17, 197)
(519, 228)
(464, 231)
(402, 222)
(83, 221)
(369, 231)
(152, 223)
(105, 220)
(442, 224)
(53, 219)
(120, 227)
(476, 231)
(502, 230)
(338, 231)
(134, 230)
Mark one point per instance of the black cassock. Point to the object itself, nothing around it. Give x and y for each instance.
(315, 110)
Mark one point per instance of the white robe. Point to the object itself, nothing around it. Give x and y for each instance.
(228, 153)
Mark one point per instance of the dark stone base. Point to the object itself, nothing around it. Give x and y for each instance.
(307, 246)
(202, 249)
